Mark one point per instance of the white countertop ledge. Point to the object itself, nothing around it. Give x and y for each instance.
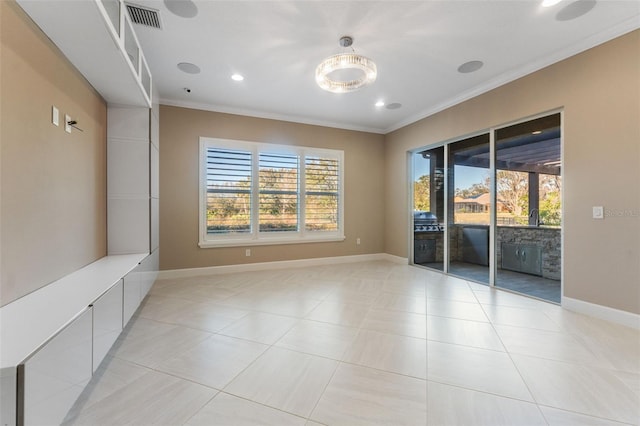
(28, 322)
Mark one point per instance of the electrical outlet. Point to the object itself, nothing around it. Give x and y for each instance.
(247, 252)
(357, 241)
(67, 126)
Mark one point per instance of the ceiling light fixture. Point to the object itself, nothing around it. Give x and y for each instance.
(237, 77)
(344, 64)
(380, 103)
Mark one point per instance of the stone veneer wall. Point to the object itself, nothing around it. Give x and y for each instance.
(547, 238)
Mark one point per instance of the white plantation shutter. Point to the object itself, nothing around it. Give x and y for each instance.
(278, 192)
(228, 191)
(254, 193)
(321, 193)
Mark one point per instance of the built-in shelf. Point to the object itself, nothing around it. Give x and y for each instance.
(34, 318)
(55, 338)
(97, 37)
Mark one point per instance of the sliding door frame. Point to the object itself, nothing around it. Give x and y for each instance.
(493, 267)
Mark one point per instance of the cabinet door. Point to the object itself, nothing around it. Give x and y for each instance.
(107, 322)
(530, 257)
(132, 297)
(510, 256)
(8, 384)
(53, 377)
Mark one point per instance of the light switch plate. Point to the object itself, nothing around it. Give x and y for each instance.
(67, 126)
(598, 212)
(55, 116)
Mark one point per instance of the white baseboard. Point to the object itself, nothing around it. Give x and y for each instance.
(598, 311)
(264, 266)
(603, 312)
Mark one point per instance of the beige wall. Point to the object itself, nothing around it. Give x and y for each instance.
(180, 130)
(599, 91)
(53, 211)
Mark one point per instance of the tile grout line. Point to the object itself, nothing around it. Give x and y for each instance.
(511, 359)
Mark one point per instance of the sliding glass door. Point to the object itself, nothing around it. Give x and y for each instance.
(498, 196)
(469, 207)
(528, 225)
(428, 208)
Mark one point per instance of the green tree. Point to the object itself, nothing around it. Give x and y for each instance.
(475, 189)
(551, 199)
(513, 191)
(422, 193)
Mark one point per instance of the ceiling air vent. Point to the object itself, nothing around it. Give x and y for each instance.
(144, 16)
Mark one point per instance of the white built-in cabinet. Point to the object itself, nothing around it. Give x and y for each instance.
(98, 38)
(54, 339)
(107, 322)
(128, 180)
(51, 378)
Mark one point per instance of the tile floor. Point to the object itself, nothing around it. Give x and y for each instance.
(371, 343)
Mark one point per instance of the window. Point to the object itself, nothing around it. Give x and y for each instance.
(253, 193)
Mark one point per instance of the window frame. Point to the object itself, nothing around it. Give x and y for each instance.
(255, 236)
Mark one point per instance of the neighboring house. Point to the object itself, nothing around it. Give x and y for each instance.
(477, 204)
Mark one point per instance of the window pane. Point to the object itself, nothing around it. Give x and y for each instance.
(472, 199)
(278, 192)
(228, 191)
(321, 198)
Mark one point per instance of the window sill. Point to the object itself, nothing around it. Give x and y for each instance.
(269, 241)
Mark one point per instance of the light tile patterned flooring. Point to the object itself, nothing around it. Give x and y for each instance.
(371, 343)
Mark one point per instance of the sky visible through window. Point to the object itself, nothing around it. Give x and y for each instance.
(465, 176)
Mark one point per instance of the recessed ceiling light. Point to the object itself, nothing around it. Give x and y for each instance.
(470, 66)
(549, 3)
(237, 77)
(380, 103)
(189, 68)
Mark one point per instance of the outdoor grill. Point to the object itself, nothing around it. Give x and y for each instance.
(425, 222)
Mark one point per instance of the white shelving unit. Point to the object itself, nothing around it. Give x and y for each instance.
(54, 339)
(81, 28)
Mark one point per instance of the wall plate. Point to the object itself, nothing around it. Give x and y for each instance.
(55, 116)
(67, 126)
(598, 212)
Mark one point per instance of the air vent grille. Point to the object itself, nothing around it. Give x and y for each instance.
(143, 16)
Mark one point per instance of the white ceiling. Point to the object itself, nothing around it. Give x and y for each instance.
(417, 46)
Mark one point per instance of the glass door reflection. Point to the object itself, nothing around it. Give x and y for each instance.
(428, 208)
(469, 208)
